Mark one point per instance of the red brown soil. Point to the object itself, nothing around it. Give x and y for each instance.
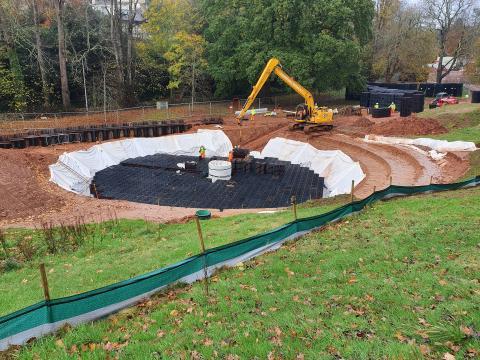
(408, 126)
(27, 198)
(363, 122)
(391, 126)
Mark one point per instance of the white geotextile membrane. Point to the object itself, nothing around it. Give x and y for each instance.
(334, 166)
(437, 145)
(74, 171)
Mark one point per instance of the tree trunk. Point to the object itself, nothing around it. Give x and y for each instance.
(62, 59)
(116, 39)
(40, 57)
(440, 69)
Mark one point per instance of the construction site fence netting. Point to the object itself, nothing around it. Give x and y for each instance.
(47, 316)
(20, 122)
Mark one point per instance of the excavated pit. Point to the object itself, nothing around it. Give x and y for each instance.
(255, 183)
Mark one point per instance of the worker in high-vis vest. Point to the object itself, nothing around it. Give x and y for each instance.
(393, 107)
(252, 114)
(202, 152)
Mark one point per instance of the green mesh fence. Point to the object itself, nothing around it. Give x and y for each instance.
(46, 317)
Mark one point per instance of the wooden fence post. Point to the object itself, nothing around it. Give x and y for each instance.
(202, 244)
(294, 206)
(43, 274)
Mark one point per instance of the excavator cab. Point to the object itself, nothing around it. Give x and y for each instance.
(301, 113)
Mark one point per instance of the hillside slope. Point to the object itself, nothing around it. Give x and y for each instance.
(398, 281)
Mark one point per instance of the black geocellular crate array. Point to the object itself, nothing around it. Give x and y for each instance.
(427, 89)
(92, 133)
(406, 101)
(432, 89)
(255, 183)
(475, 95)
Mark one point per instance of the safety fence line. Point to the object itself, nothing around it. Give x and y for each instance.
(48, 316)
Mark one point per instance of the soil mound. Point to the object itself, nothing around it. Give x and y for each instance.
(363, 122)
(408, 126)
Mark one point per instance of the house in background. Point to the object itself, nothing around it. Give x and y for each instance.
(104, 6)
(455, 76)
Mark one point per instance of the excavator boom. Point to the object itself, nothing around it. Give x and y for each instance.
(273, 65)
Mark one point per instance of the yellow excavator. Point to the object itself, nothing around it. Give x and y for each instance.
(308, 116)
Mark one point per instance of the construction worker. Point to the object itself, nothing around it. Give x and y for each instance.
(202, 152)
(376, 106)
(252, 115)
(392, 107)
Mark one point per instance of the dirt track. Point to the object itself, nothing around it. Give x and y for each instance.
(28, 198)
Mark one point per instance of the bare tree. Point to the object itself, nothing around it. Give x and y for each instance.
(40, 55)
(62, 56)
(444, 15)
(132, 13)
(401, 42)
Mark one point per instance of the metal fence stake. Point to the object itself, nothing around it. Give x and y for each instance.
(351, 192)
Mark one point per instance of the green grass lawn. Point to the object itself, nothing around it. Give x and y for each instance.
(462, 121)
(113, 252)
(399, 281)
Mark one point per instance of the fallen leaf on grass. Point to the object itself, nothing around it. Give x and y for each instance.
(448, 356)
(289, 272)
(472, 353)
(423, 334)
(423, 322)
(352, 280)
(277, 338)
(452, 346)
(174, 313)
(60, 343)
(232, 357)
(112, 346)
(467, 330)
(208, 342)
(369, 297)
(424, 349)
(400, 337)
(442, 282)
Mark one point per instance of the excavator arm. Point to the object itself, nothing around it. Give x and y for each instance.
(273, 65)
